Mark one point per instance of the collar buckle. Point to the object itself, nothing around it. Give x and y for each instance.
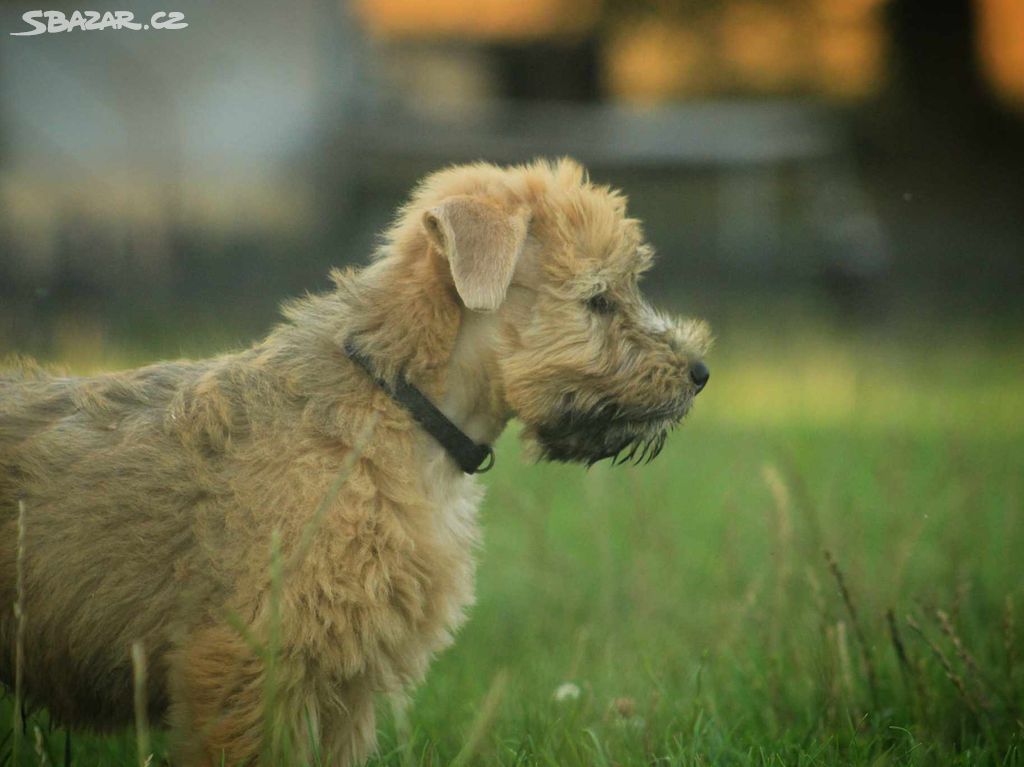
(487, 463)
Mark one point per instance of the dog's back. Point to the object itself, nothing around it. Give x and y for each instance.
(49, 423)
(30, 401)
(101, 479)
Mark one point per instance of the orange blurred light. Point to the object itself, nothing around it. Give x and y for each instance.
(847, 11)
(477, 19)
(760, 43)
(654, 61)
(850, 61)
(1000, 41)
(850, 47)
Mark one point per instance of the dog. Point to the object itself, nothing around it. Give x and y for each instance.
(290, 530)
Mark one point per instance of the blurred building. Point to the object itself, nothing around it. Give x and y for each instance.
(224, 165)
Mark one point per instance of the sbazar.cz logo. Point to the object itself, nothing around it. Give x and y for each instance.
(43, 22)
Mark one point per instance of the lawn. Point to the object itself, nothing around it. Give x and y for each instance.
(686, 612)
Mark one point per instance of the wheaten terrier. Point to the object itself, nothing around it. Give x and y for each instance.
(290, 530)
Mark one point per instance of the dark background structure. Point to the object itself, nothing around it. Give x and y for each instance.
(866, 155)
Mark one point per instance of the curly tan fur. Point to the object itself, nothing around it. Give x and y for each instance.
(152, 495)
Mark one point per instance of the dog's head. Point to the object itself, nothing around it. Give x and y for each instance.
(589, 367)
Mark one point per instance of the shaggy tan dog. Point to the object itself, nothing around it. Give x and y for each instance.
(154, 497)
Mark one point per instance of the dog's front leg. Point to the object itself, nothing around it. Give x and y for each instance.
(231, 705)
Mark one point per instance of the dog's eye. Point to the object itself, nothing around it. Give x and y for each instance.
(600, 304)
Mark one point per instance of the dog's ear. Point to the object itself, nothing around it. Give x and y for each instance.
(482, 244)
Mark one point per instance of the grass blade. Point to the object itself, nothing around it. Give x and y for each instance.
(145, 753)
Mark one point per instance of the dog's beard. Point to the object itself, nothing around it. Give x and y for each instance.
(622, 434)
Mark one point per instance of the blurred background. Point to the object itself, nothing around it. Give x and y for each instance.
(861, 157)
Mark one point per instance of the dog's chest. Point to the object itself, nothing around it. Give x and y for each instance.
(454, 499)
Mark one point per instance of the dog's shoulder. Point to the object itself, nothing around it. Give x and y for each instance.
(17, 368)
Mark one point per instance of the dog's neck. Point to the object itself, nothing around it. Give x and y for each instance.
(409, 320)
(473, 399)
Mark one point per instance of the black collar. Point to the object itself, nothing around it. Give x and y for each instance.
(471, 457)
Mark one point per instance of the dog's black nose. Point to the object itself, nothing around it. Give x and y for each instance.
(699, 374)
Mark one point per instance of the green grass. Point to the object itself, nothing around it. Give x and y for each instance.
(691, 603)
